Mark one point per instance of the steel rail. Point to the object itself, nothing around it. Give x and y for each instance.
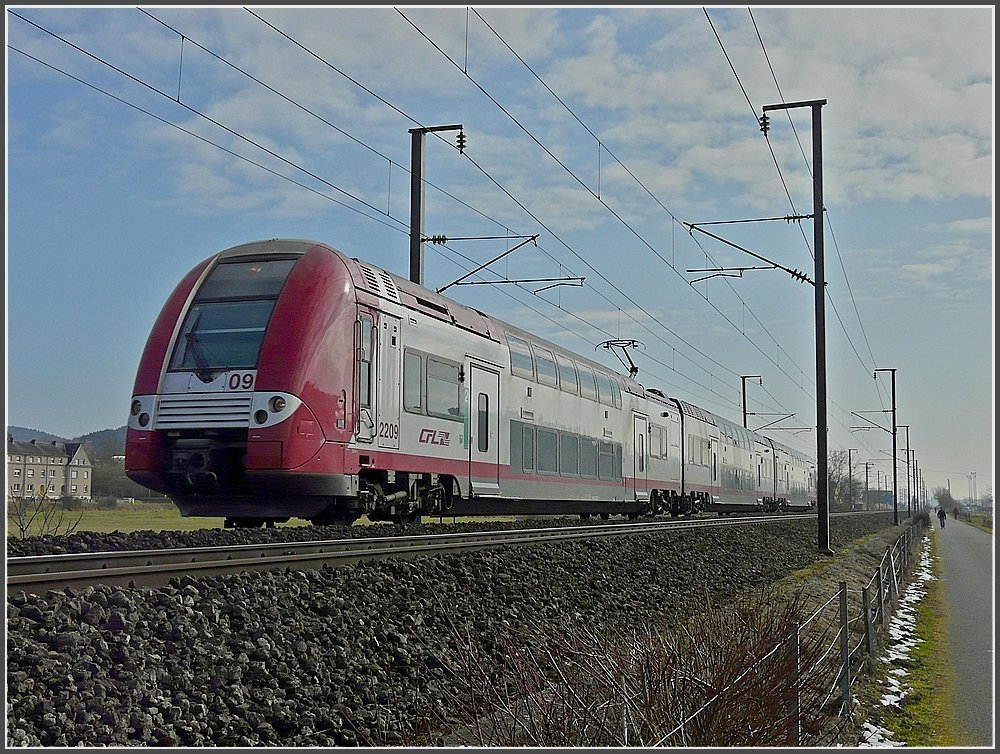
(41, 573)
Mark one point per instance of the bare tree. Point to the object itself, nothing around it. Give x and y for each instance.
(40, 515)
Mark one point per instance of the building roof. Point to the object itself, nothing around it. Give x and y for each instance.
(50, 448)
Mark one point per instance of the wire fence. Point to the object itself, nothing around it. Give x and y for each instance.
(817, 666)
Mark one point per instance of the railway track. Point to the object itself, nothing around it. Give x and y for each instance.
(155, 568)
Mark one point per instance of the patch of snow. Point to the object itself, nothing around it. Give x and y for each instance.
(901, 630)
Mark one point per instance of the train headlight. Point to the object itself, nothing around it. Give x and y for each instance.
(143, 419)
(136, 407)
(260, 416)
(277, 404)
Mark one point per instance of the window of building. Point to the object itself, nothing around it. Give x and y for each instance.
(413, 381)
(30, 473)
(30, 488)
(75, 472)
(17, 487)
(443, 389)
(73, 489)
(52, 472)
(17, 472)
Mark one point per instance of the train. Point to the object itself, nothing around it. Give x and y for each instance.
(285, 379)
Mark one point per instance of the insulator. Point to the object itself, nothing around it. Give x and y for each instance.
(461, 141)
(765, 123)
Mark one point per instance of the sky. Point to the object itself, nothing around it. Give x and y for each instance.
(618, 145)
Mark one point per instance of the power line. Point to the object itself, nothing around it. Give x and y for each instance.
(596, 196)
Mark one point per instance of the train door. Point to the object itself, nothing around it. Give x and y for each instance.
(714, 460)
(484, 430)
(640, 451)
(365, 347)
(387, 394)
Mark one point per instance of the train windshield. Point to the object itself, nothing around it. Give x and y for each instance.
(225, 325)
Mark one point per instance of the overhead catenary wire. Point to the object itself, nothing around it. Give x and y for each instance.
(582, 183)
(232, 131)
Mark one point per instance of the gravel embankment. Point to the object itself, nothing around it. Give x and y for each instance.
(350, 655)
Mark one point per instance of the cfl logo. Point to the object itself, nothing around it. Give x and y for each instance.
(434, 437)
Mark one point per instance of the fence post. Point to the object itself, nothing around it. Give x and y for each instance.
(797, 722)
(845, 646)
(867, 599)
(893, 586)
(881, 596)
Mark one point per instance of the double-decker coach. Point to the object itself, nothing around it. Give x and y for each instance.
(283, 379)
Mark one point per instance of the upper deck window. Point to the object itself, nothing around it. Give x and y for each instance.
(521, 362)
(261, 278)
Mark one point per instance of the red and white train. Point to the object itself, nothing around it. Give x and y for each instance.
(284, 379)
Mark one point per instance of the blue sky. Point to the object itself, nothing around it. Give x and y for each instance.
(132, 155)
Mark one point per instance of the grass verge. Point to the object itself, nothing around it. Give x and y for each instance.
(925, 717)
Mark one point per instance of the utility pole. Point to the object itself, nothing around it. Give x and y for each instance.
(895, 505)
(868, 500)
(417, 196)
(819, 281)
(743, 382)
(850, 478)
(909, 511)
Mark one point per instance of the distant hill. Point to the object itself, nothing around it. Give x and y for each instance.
(105, 443)
(23, 434)
(102, 444)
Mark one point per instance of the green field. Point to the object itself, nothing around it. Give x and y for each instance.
(159, 516)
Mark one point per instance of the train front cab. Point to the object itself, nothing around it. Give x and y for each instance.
(243, 400)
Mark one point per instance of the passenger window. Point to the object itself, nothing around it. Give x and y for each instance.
(413, 381)
(547, 452)
(483, 426)
(655, 441)
(443, 389)
(569, 381)
(588, 457)
(569, 455)
(527, 448)
(604, 389)
(588, 386)
(546, 366)
(367, 326)
(521, 363)
(616, 392)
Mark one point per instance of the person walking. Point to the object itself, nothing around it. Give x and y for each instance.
(942, 516)
(954, 513)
